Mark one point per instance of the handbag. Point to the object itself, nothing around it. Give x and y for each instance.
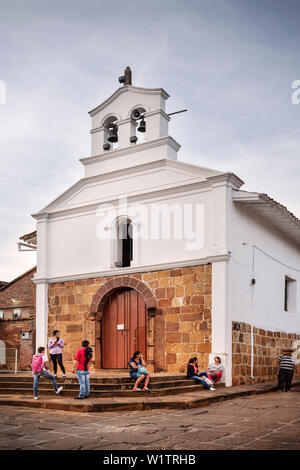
(142, 370)
(206, 380)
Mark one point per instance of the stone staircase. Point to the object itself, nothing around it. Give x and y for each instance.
(101, 387)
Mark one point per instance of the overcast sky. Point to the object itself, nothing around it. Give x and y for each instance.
(230, 62)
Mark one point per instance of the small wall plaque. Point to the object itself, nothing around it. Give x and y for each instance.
(120, 327)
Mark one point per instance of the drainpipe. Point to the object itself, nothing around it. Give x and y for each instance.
(252, 376)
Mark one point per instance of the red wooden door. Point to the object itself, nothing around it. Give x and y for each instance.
(124, 328)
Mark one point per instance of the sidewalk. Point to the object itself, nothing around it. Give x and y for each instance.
(181, 401)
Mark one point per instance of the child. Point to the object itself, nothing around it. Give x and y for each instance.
(39, 368)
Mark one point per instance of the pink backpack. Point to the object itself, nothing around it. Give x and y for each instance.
(37, 363)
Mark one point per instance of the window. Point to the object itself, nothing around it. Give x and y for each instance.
(17, 313)
(290, 290)
(124, 243)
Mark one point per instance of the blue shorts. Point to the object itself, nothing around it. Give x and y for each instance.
(134, 375)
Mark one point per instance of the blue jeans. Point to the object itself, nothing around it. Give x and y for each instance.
(83, 379)
(36, 378)
(201, 381)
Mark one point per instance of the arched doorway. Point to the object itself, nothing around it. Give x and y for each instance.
(124, 328)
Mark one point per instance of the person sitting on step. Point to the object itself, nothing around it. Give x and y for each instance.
(200, 377)
(138, 371)
(215, 370)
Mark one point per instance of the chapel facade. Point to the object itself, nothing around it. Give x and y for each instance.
(149, 253)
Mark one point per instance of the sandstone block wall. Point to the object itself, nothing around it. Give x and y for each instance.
(267, 346)
(180, 328)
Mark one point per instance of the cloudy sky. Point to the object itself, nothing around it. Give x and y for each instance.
(230, 62)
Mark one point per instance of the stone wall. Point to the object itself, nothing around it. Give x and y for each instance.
(20, 293)
(267, 346)
(179, 329)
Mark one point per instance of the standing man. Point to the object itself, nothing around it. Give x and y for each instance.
(81, 366)
(286, 370)
(55, 346)
(39, 368)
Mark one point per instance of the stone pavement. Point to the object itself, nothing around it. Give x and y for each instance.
(265, 421)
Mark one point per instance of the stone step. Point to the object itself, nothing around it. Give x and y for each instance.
(95, 380)
(109, 394)
(44, 384)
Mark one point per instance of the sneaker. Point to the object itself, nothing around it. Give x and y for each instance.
(135, 389)
(212, 388)
(35, 398)
(59, 390)
(64, 376)
(78, 398)
(145, 388)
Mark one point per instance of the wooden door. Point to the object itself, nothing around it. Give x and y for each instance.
(124, 328)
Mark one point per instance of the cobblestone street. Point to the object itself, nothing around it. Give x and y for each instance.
(268, 421)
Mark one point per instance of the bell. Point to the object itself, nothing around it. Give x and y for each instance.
(142, 126)
(113, 135)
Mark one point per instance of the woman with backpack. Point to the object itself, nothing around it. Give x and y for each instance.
(55, 346)
(39, 367)
(81, 367)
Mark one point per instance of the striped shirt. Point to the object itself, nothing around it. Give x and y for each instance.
(286, 362)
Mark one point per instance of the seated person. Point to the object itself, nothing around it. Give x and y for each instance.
(215, 370)
(194, 373)
(135, 363)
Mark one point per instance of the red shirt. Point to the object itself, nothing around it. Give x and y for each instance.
(80, 357)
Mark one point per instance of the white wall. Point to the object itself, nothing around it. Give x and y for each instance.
(73, 247)
(262, 304)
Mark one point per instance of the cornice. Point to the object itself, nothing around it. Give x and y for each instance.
(131, 150)
(227, 178)
(136, 269)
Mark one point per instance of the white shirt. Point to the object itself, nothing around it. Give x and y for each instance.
(45, 359)
(216, 367)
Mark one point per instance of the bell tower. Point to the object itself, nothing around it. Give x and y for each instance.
(129, 128)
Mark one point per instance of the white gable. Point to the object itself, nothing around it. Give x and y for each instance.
(142, 179)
